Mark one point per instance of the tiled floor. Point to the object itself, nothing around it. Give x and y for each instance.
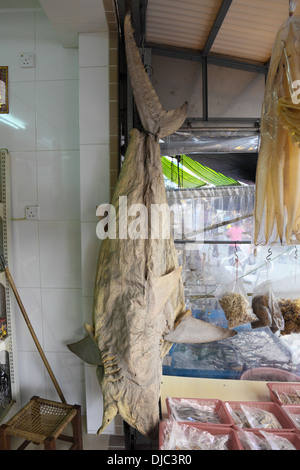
(90, 441)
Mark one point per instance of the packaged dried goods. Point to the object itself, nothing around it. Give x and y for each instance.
(249, 417)
(266, 307)
(181, 436)
(194, 411)
(235, 303)
(290, 310)
(264, 441)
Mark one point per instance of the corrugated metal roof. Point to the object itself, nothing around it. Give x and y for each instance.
(180, 23)
(248, 30)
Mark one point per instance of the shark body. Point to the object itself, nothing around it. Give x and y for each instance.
(139, 306)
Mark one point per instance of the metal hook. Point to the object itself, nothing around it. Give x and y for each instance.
(296, 252)
(235, 253)
(268, 258)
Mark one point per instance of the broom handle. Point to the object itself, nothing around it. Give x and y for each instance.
(34, 337)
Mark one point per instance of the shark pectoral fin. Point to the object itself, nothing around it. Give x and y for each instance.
(90, 330)
(192, 330)
(160, 289)
(87, 349)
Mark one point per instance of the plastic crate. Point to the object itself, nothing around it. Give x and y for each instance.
(217, 406)
(291, 436)
(233, 443)
(295, 409)
(283, 388)
(272, 407)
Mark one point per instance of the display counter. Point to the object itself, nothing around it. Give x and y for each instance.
(225, 390)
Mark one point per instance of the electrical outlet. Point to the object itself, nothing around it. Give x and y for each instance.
(27, 59)
(32, 212)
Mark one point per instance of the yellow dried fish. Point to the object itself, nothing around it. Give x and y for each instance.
(277, 196)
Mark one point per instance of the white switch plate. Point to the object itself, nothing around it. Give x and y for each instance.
(27, 59)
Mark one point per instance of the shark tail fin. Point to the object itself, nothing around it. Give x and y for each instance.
(154, 118)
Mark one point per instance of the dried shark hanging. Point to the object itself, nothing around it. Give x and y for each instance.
(139, 306)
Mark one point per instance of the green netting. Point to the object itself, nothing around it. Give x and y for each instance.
(203, 174)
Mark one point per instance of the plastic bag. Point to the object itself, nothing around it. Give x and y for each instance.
(189, 410)
(238, 416)
(260, 418)
(180, 436)
(277, 195)
(234, 301)
(253, 418)
(294, 417)
(266, 308)
(252, 441)
(268, 441)
(287, 291)
(277, 442)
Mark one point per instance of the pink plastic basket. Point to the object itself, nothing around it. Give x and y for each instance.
(295, 409)
(233, 443)
(291, 436)
(267, 374)
(284, 421)
(217, 406)
(282, 389)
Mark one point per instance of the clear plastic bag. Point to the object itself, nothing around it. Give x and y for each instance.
(185, 409)
(235, 303)
(260, 418)
(252, 441)
(277, 442)
(287, 292)
(180, 436)
(266, 308)
(268, 441)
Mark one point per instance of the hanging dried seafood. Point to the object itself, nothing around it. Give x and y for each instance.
(277, 202)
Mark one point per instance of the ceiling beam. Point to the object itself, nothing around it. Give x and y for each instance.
(216, 26)
(222, 60)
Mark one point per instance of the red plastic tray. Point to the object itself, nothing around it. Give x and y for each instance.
(218, 408)
(233, 444)
(291, 436)
(295, 409)
(272, 407)
(282, 387)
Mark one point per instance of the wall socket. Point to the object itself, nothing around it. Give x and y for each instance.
(27, 59)
(32, 212)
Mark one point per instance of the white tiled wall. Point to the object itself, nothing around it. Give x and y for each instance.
(94, 184)
(60, 161)
(44, 149)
